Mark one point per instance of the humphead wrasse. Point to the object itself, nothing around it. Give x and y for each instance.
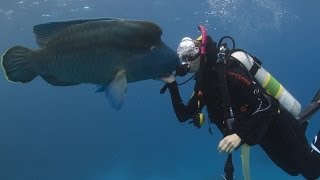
(108, 52)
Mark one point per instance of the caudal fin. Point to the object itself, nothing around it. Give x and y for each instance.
(17, 64)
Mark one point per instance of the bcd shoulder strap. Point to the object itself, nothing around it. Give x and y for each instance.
(223, 88)
(256, 66)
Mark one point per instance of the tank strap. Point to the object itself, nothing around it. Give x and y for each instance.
(256, 66)
(223, 89)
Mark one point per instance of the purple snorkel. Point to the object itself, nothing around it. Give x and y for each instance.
(203, 52)
(203, 49)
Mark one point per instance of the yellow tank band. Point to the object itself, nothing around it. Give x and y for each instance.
(266, 80)
(273, 86)
(279, 93)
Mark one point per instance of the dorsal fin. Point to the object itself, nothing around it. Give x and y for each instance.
(44, 32)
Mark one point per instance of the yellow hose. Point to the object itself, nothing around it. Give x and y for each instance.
(245, 158)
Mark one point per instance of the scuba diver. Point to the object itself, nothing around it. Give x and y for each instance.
(227, 82)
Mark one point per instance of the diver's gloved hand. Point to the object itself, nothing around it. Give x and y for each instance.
(169, 78)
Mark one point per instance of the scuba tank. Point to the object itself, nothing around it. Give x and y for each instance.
(262, 76)
(268, 82)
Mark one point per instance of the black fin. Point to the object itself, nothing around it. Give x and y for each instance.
(311, 109)
(44, 32)
(55, 82)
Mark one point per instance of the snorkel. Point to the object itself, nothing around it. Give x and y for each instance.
(199, 116)
(203, 49)
(203, 53)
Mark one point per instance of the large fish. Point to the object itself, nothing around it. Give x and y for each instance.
(108, 52)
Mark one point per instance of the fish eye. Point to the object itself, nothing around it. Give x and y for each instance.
(153, 48)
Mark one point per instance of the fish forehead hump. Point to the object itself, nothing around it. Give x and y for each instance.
(139, 34)
(118, 32)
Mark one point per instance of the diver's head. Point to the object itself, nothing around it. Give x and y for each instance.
(189, 54)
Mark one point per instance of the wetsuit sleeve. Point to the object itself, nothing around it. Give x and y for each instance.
(251, 122)
(182, 111)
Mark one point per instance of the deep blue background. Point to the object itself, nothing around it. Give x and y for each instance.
(71, 133)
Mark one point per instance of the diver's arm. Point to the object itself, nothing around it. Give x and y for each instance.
(183, 112)
(252, 125)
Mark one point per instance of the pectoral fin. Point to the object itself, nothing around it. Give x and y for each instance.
(117, 89)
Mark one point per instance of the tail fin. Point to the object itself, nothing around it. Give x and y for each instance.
(16, 64)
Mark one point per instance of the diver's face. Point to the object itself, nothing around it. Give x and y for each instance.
(194, 65)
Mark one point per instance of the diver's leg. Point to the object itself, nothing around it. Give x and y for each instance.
(287, 146)
(279, 143)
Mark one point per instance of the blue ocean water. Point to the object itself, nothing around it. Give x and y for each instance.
(71, 133)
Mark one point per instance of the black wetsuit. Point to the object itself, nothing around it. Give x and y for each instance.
(259, 119)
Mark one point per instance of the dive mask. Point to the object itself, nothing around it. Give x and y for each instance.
(188, 53)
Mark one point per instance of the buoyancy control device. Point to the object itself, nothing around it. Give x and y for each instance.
(272, 86)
